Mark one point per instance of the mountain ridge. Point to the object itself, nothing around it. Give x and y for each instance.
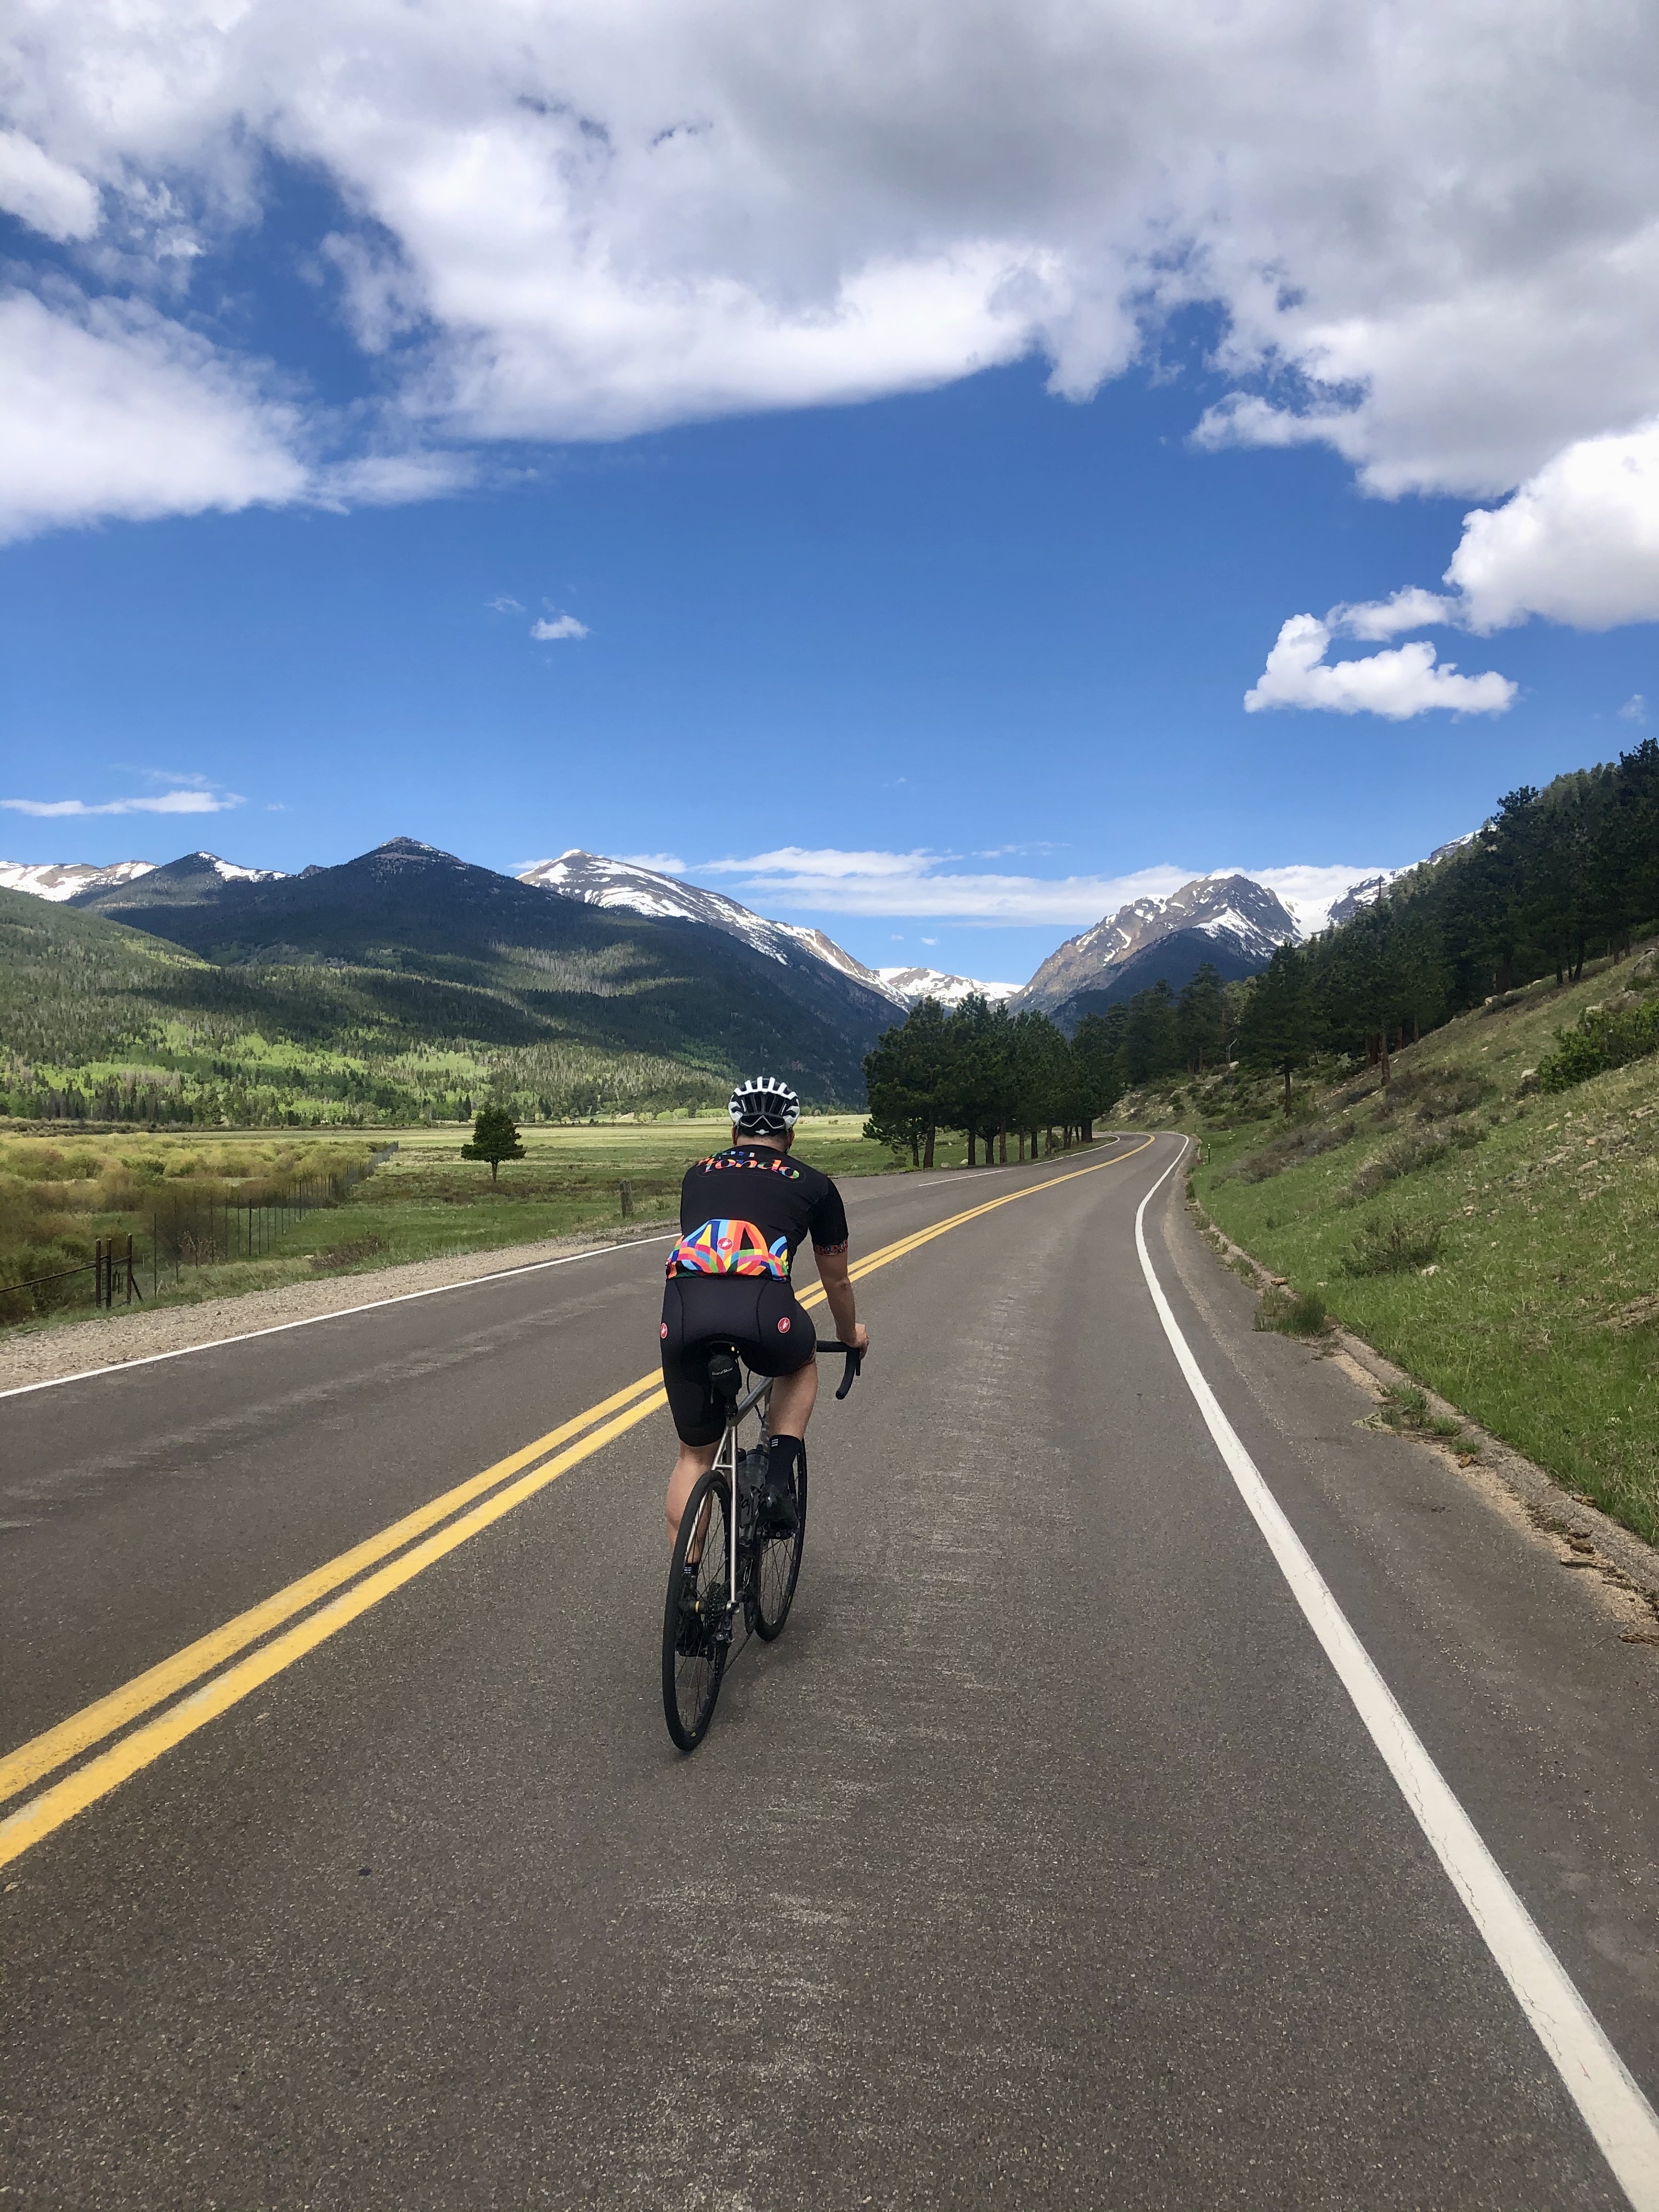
(1240, 919)
(630, 887)
(550, 966)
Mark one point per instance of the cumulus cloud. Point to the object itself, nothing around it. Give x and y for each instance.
(1432, 231)
(1579, 542)
(1375, 619)
(166, 802)
(108, 411)
(558, 626)
(1398, 684)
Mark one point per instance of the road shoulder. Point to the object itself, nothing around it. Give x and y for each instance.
(117, 1340)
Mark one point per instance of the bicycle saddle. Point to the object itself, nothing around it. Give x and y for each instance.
(725, 1375)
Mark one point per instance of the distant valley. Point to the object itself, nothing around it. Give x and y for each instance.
(402, 982)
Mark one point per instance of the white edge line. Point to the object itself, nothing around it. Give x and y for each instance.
(340, 1313)
(1617, 2113)
(345, 1313)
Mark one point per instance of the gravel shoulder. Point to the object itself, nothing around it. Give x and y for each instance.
(50, 1355)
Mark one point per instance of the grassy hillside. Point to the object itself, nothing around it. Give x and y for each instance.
(1497, 1240)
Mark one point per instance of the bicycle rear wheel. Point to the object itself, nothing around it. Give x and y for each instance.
(696, 1634)
(777, 1563)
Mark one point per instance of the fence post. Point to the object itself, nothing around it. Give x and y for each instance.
(625, 1193)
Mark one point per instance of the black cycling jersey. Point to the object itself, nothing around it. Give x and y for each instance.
(745, 1211)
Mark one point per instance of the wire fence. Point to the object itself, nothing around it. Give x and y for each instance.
(190, 1232)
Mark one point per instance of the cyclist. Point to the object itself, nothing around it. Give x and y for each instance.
(743, 1213)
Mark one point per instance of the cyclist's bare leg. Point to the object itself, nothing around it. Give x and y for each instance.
(793, 1398)
(694, 1461)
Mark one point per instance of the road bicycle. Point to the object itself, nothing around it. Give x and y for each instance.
(717, 1577)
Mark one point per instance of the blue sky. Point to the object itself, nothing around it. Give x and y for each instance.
(937, 668)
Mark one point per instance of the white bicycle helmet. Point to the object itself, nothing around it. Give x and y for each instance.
(761, 1106)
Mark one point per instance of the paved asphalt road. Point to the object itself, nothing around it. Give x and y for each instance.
(1044, 1861)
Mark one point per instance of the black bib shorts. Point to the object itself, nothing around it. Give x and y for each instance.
(758, 1314)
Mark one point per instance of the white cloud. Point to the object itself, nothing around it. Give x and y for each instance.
(505, 606)
(1397, 684)
(115, 410)
(665, 864)
(50, 197)
(1635, 709)
(880, 885)
(828, 880)
(1431, 228)
(561, 626)
(1309, 891)
(1579, 542)
(167, 802)
(1411, 608)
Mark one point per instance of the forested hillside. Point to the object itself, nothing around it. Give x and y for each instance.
(398, 985)
(101, 1022)
(1553, 877)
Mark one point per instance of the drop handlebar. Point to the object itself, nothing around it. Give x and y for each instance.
(855, 1362)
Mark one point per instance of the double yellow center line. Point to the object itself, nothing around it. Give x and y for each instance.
(408, 1547)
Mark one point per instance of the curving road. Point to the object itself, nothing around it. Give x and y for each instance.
(1049, 1859)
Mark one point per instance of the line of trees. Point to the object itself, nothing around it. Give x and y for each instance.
(1554, 877)
(990, 1074)
(993, 1075)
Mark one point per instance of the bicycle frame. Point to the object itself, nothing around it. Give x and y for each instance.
(725, 1462)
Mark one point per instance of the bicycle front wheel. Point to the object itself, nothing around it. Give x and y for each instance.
(697, 1632)
(777, 1563)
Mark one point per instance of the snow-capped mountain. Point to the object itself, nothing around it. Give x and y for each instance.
(1242, 919)
(228, 871)
(624, 883)
(913, 985)
(65, 879)
(1369, 889)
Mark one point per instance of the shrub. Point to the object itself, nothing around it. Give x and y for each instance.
(1392, 1248)
(1606, 1037)
(1290, 1146)
(1292, 1312)
(1413, 1148)
(347, 1254)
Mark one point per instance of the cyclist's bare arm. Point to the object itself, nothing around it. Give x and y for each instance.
(838, 1289)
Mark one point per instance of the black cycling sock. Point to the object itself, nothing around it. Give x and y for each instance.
(782, 1454)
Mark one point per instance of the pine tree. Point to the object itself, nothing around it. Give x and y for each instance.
(495, 1139)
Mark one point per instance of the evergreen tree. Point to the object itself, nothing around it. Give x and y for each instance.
(905, 1080)
(1200, 1018)
(495, 1139)
(1277, 1032)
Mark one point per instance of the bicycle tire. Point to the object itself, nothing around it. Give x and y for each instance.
(777, 1566)
(691, 1679)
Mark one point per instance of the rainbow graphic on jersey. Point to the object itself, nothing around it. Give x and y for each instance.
(729, 1247)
